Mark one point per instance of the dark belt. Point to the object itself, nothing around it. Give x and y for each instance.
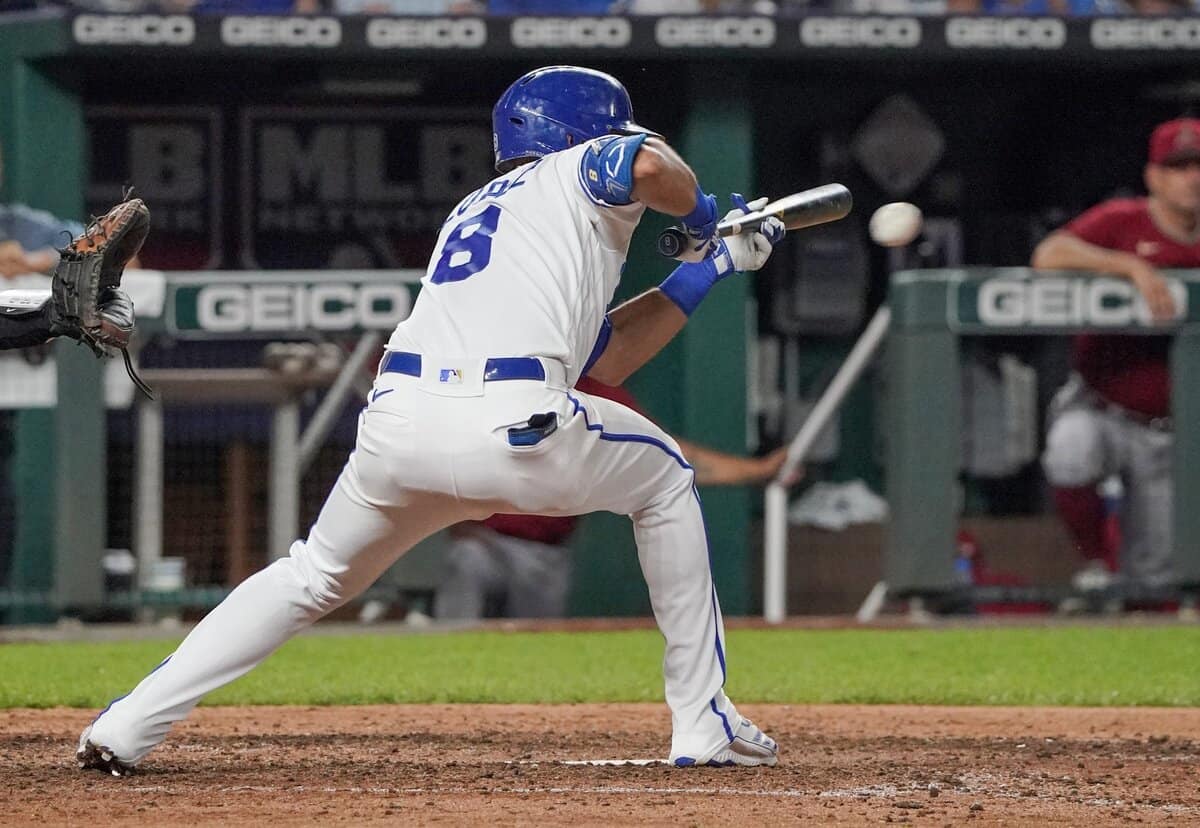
(496, 368)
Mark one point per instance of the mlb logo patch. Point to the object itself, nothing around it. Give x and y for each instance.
(451, 376)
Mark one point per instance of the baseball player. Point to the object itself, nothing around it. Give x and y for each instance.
(474, 412)
(1113, 416)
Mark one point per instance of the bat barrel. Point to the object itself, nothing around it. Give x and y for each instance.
(819, 205)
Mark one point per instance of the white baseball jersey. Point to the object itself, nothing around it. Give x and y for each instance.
(536, 246)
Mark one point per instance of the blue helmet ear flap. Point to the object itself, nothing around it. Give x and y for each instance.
(556, 107)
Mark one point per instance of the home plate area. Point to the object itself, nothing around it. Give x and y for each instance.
(518, 764)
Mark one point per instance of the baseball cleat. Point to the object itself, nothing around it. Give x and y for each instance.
(750, 747)
(91, 756)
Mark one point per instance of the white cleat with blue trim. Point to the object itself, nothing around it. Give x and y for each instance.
(750, 747)
(89, 755)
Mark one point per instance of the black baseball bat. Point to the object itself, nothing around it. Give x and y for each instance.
(807, 208)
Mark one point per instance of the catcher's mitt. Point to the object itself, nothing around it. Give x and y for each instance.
(85, 303)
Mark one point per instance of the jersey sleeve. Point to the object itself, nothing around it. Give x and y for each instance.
(606, 169)
(1100, 225)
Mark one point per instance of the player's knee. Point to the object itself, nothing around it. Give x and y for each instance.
(678, 487)
(1073, 455)
(325, 588)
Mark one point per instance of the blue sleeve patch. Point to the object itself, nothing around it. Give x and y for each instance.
(606, 171)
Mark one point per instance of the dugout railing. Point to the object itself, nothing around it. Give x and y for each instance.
(927, 312)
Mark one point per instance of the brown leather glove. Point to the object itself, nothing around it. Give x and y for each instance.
(85, 302)
(115, 310)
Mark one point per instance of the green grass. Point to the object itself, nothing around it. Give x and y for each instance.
(1058, 666)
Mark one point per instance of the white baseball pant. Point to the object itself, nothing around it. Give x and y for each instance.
(430, 454)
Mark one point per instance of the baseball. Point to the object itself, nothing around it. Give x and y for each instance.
(895, 224)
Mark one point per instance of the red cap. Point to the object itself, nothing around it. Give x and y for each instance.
(1176, 140)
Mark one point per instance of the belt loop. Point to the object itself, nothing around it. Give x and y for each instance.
(556, 373)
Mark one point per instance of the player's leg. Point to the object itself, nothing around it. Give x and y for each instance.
(1147, 535)
(474, 570)
(538, 576)
(625, 464)
(367, 522)
(1075, 459)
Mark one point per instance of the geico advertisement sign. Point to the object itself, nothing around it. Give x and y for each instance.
(1006, 33)
(1170, 33)
(861, 32)
(134, 30)
(1060, 302)
(584, 32)
(322, 32)
(273, 308)
(437, 33)
(750, 32)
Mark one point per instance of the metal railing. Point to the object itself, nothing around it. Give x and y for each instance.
(775, 514)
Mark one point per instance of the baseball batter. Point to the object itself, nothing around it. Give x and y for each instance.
(1113, 417)
(474, 412)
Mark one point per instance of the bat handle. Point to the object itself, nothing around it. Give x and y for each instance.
(671, 242)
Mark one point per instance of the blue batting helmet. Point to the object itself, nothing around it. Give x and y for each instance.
(556, 107)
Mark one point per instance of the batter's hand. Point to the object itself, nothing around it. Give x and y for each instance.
(749, 251)
(1154, 289)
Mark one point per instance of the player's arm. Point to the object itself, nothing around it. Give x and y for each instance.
(24, 318)
(663, 181)
(15, 260)
(622, 169)
(637, 330)
(1063, 250)
(716, 468)
(634, 332)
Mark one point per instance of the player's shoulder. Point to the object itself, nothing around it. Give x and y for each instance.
(1121, 208)
(1113, 216)
(606, 168)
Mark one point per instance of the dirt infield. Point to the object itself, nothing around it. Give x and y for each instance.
(506, 765)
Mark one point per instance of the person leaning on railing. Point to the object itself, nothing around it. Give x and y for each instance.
(1113, 415)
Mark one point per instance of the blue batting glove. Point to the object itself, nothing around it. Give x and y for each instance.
(700, 225)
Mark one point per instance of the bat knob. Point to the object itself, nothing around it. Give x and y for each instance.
(671, 242)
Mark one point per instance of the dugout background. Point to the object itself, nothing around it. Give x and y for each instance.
(1027, 140)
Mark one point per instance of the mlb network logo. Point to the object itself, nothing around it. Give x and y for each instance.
(450, 375)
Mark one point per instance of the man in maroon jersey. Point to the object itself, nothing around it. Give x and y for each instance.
(1113, 416)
